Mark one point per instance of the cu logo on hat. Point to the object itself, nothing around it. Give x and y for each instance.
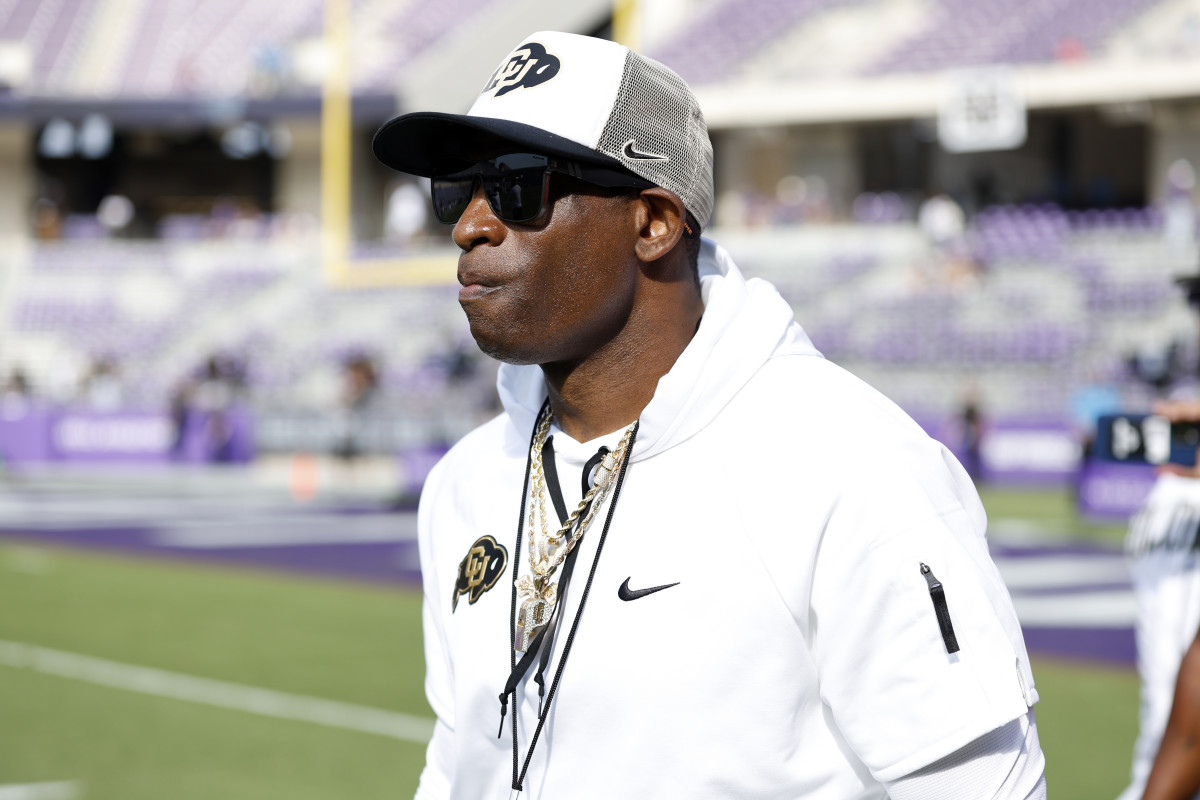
(479, 570)
(528, 66)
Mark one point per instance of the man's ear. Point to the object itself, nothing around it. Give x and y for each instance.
(661, 219)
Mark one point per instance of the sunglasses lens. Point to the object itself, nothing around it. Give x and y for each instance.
(513, 184)
(516, 196)
(451, 197)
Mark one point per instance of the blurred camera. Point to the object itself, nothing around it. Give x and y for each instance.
(1146, 439)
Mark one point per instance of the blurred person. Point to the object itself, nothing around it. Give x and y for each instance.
(65, 378)
(971, 420)
(1159, 366)
(180, 411)
(941, 219)
(360, 384)
(15, 395)
(1176, 771)
(47, 221)
(407, 212)
(1164, 566)
(102, 389)
(758, 611)
(1179, 212)
(1162, 548)
(212, 398)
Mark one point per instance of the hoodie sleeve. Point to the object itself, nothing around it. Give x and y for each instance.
(437, 776)
(915, 639)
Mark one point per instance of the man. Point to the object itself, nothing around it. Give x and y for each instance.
(1165, 567)
(755, 577)
(1175, 774)
(1162, 547)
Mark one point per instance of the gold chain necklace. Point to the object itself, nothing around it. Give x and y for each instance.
(538, 591)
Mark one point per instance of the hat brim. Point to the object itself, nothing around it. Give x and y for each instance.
(429, 143)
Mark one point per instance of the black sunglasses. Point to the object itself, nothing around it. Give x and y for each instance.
(517, 185)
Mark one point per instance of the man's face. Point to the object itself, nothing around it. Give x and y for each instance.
(556, 289)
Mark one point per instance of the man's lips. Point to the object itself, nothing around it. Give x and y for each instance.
(476, 282)
(474, 291)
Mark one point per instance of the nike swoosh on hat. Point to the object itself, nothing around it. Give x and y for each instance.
(629, 152)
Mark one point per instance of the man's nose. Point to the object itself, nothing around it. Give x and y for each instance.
(478, 224)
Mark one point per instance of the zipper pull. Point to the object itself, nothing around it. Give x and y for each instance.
(503, 713)
(938, 595)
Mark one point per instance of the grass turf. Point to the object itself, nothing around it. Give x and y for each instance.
(327, 639)
(1052, 510)
(341, 641)
(1087, 721)
(121, 744)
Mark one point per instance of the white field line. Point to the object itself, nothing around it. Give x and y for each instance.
(287, 530)
(57, 790)
(235, 696)
(1061, 572)
(1101, 609)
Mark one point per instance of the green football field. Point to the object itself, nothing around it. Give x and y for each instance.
(98, 698)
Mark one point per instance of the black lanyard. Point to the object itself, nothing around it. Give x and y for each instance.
(556, 496)
(544, 642)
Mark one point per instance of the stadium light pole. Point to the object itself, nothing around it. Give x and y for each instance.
(336, 142)
(625, 23)
(337, 139)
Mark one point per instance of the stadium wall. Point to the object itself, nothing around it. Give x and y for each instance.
(298, 188)
(17, 178)
(1176, 135)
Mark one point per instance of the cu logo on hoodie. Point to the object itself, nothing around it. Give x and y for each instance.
(479, 570)
(527, 67)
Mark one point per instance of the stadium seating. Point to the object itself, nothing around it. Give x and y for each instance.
(735, 30)
(1036, 303)
(54, 31)
(1051, 301)
(213, 48)
(225, 48)
(743, 36)
(1007, 32)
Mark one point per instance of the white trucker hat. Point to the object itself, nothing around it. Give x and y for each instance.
(575, 97)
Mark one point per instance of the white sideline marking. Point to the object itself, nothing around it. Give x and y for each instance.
(1056, 572)
(1105, 609)
(285, 530)
(177, 686)
(57, 790)
(1007, 530)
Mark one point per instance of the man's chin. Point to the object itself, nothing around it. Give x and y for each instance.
(500, 350)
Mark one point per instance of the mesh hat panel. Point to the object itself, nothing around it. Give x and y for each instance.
(655, 114)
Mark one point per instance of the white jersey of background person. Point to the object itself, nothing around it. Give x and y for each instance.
(1165, 566)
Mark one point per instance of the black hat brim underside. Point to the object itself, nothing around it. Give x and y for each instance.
(432, 143)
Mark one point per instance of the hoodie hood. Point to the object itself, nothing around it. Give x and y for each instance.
(745, 324)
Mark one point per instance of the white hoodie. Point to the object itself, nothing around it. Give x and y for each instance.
(799, 654)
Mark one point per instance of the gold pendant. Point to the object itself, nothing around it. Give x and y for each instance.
(545, 555)
(537, 606)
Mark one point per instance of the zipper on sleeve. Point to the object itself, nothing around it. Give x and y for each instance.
(938, 595)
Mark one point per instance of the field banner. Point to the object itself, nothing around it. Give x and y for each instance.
(24, 433)
(1029, 452)
(1013, 451)
(1112, 490)
(111, 437)
(85, 436)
